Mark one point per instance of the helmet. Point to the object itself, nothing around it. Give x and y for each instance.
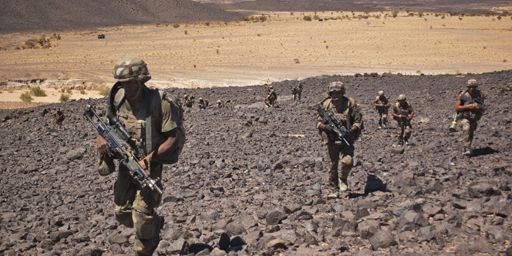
(336, 86)
(271, 87)
(401, 97)
(219, 101)
(131, 68)
(380, 93)
(200, 98)
(472, 83)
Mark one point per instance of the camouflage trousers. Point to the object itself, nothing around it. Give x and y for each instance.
(383, 118)
(135, 208)
(468, 129)
(333, 156)
(404, 131)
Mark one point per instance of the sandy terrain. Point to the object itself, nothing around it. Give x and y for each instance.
(283, 47)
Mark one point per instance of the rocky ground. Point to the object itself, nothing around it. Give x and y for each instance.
(251, 180)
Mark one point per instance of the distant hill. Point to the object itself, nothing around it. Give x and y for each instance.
(459, 6)
(21, 15)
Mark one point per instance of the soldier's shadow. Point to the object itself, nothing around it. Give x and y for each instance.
(373, 184)
(484, 151)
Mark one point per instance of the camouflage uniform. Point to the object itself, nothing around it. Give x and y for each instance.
(189, 101)
(382, 106)
(469, 118)
(349, 113)
(271, 98)
(404, 122)
(203, 104)
(135, 207)
(297, 92)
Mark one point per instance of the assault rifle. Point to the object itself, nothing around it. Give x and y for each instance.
(120, 144)
(336, 131)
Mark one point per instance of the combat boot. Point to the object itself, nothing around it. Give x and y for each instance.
(343, 185)
(332, 193)
(468, 152)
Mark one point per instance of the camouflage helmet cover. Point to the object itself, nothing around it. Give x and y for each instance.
(472, 83)
(131, 68)
(402, 97)
(336, 86)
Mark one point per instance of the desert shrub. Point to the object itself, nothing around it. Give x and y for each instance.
(64, 97)
(394, 14)
(82, 91)
(37, 91)
(186, 32)
(104, 91)
(25, 97)
(296, 61)
(176, 25)
(307, 18)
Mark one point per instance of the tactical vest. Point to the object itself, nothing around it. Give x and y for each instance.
(466, 99)
(383, 102)
(403, 110)
(145, 124)
(343, 112)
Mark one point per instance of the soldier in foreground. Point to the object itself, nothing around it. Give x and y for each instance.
(340, 123)
(155, 125)
(271, 99)
(382, 106)
(469, 107)
(403, 114)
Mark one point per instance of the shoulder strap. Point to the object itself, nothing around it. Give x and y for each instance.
(112, 108)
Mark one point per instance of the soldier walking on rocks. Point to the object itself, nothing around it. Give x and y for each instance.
(403, 114)
(59, 117)
(271, 99)
(189, 101)
(203, 103)
(470, 107)
(347, 111)
(297, 92)
(220, 104)
(155, 124)
(382, 106)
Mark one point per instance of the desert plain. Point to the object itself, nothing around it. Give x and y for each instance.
(263, 48)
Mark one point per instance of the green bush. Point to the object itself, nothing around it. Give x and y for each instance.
(37, 91)
(26, 97)
(64, 97)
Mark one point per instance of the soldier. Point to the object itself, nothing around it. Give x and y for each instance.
(297, 92)
(382, 106)
(155, 123)
(220, 104)
(348, 112)
(203, 103)
(469, 107)
(189, 101)
(403, 114)
(271, 97)
(59, 117)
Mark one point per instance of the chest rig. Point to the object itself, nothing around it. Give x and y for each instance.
(143, 124)
(342, 111)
